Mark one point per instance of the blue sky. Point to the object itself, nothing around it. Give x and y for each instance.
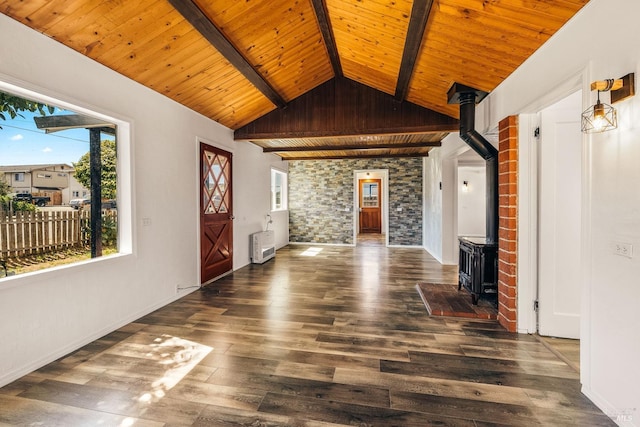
(21, 143)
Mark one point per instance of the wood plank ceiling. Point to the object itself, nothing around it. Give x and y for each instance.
(238, 62)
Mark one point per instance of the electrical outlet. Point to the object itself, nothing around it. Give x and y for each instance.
(146, 222)
(623, 249)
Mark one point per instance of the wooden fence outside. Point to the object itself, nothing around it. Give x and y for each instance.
(29, 233)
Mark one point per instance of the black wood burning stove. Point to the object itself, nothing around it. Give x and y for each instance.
(478, 267)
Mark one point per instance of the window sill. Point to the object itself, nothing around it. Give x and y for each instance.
(67, 271)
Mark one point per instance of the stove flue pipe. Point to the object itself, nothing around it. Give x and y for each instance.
(467, 97)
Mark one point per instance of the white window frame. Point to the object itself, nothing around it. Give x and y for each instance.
(283, 205)
(124, 162)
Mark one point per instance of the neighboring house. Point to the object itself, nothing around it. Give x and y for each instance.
(54, 180)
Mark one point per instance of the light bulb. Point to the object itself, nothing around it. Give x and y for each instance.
(599, 121)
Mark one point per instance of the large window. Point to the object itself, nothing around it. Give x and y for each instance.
(49, 156)
(278, 190)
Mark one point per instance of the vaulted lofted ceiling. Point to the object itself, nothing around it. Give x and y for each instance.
(281, 66)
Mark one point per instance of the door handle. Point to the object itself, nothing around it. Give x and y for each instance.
(231, 217)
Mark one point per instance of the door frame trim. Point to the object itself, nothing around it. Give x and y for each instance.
(361, 182)
(385, 202)
(198, 194)
(579, 81)
(528, 239)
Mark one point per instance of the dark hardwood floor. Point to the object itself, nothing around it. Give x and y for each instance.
(316, 337)
(370, 239)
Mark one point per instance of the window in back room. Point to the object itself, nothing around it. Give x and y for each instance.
(52, 160)
(278, 190)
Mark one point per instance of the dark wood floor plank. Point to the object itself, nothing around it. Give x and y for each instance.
(552, 368)
(457, 407)
(489, 412)
(224, 417)
(470, 374)
(436, 386)
(338, 339)
(326, 390)
(212, 394)
(16, 411)
(350, 414)
(330, 359)
(80, 396)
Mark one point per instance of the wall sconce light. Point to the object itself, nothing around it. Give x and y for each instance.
(465, 186)
(603, 117)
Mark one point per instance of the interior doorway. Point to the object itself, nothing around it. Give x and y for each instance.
(559, 218)
(471, 195)
(370, 205)
(371, 195)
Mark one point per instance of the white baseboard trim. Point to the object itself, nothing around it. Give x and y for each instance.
(322, 244)
(622, 417)
(21, 371)
(437, 258)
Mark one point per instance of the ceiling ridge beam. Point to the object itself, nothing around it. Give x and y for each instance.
(359, 156)
(343, 107)
(415, 33)
(322, 15)
(349, 147)
(196, 17)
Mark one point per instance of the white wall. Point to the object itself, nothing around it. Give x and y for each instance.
(441, 204)
(575, 56)
(252, 200)
(472, 211)
(46, 315)
(432, 172)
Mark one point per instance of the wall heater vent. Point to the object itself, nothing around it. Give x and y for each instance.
(263, 246)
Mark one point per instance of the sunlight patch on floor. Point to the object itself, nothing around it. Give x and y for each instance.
(311, 252)
(179, 356)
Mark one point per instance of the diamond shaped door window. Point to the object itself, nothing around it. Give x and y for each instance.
(214, 189)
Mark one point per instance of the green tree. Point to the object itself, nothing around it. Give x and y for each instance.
(4, 187)
(4, 195)
(11, 106)
(108, 173)
(5, 200)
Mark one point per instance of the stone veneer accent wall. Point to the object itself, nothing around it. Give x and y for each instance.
(321, 200)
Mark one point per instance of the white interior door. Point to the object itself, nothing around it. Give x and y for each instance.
(560, 220)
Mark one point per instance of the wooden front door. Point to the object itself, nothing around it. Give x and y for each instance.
(370, 205)
(216, 213)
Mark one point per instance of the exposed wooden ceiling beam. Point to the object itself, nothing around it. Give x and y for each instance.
(348, 147)
(201, 22)
(327, 34)
(357, 156)
(417, 25)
